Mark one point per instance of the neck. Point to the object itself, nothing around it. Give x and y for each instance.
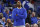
(19, 7)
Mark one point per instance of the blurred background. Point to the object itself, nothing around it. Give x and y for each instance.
(31, 6)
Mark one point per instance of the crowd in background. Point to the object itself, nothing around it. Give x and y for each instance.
(33, 14)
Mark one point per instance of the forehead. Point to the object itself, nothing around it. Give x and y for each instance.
(18, 2)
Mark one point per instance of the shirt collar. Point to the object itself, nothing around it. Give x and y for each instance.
(19, 8)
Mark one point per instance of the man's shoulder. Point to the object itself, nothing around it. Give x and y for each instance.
(23, 8)
(14, 8)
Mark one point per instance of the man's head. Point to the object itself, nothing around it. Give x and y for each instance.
(7, 11)
(29, 11)
(33, 14)
(8, 20)
(18, 4)
(3, 19)
(27, 25)
(35, 25)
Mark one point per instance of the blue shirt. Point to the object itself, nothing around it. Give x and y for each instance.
(5, 15)
(3, 23)
(1, 8)
(38, 10)
(10, 12)
(21, 16)
(34, 20)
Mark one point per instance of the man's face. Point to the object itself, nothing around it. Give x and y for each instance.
(7, 12)
(33, 13)
(18, 3)
(3, 19)
(8, 20)
(29, 11)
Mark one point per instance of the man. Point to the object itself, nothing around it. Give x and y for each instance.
(2, 7)
(1, 15)
(33, 19)
(35, 25)
(3, 21)
(19, 15)
(9, 23)
(10, 13)
(28, 19)
(27, 25)
(6, 14)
